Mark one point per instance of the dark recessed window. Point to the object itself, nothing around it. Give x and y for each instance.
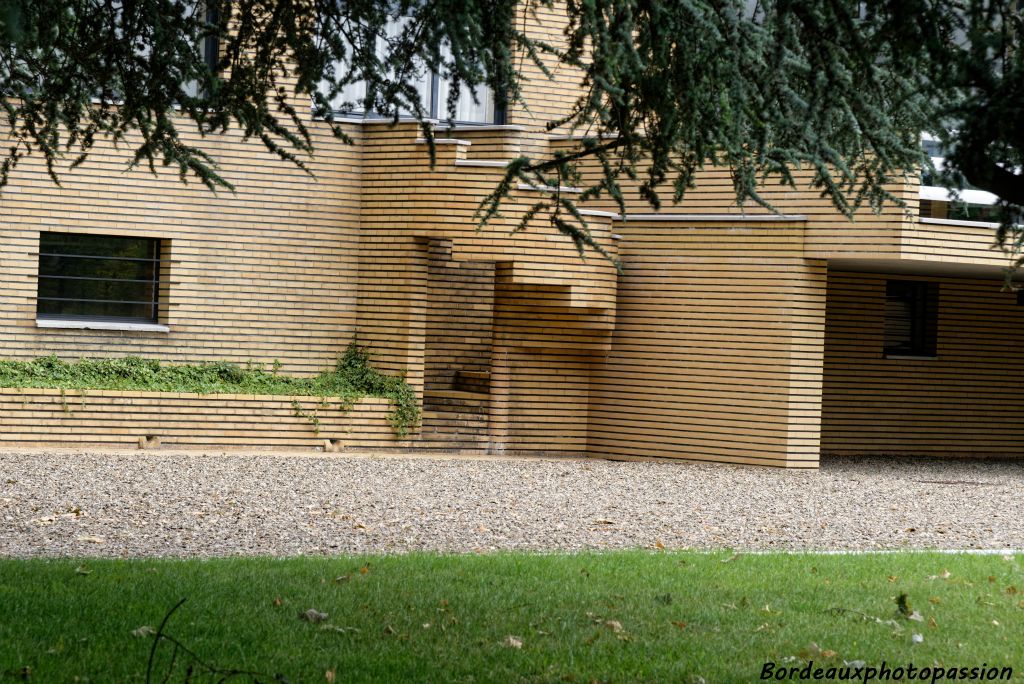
(911, 318)
(98, 277)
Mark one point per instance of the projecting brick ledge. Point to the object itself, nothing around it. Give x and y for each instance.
(45, 417)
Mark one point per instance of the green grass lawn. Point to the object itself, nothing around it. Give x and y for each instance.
(617, 617)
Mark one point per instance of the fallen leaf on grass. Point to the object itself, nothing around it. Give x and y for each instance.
(329, 676)
(365, 569)
(339, 629)
(143, 631)
(917, 638)
(828, 653)
(613, 625)
(916, 617)
(513, 642)
(277, 601)
(313, 615)
(730, 558)
(82, 570)
(680, 625)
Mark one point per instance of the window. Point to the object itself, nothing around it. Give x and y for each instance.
(98, 278)
(911, 318)
(472, 106)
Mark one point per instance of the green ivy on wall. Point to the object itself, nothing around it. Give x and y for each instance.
(351, 379)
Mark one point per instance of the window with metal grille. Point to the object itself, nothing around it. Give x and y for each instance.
(98, 278)
(911, 318)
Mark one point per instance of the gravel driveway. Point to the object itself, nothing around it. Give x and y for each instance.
(194, 504)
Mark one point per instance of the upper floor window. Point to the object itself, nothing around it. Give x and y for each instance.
(473, 105)
(98, 278)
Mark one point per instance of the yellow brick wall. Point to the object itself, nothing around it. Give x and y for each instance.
(46, 417)
(717, 349)
(965, 402)
(266, 273)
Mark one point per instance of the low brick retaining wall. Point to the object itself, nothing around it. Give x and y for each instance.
(45, 417)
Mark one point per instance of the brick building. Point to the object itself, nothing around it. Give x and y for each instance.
(731, 335)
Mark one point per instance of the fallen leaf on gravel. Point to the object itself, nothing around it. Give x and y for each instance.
(513, 642)
(658, 545)
(313, 615)
(143, 631)
(601, 521)
(93, 540)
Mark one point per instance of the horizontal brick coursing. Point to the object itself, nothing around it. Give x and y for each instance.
(44, 417)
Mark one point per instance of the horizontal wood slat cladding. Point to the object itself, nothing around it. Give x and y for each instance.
(43, 417)
(266, 273)
(717, 348)
(965, 402)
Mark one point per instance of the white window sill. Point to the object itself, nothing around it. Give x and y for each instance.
(100, 325)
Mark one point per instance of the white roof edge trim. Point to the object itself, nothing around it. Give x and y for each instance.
(938, 193)
(747, 218)
(548, 188)
(600, 214)
(488, 163)
(958, 222)
(444, 141)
